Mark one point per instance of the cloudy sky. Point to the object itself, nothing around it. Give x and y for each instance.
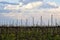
(26, 9)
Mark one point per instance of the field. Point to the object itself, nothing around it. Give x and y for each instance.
(29, 33)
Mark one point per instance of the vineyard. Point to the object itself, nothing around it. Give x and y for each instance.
(15, 30)
(30, 33)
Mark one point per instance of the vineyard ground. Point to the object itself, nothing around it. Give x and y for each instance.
(29, 33)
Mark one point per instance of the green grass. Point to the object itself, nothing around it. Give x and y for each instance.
(29, 33)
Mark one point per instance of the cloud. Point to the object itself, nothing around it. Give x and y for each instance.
(13, 7)
(4, 11)
(29, 1)
(21, 6)
(40, 5)
(48, 5)
(4, 2)
(35, 13)
(28, 10)
(16, 15)
(52, 3)
(32, 5)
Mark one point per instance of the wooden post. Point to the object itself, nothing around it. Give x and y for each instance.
(56, 22)
(41, 21)
(33, 21)
(37, 24)
(17, 22)
(48, 23)
(26, 22)
(51, 20)
(21, 22)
